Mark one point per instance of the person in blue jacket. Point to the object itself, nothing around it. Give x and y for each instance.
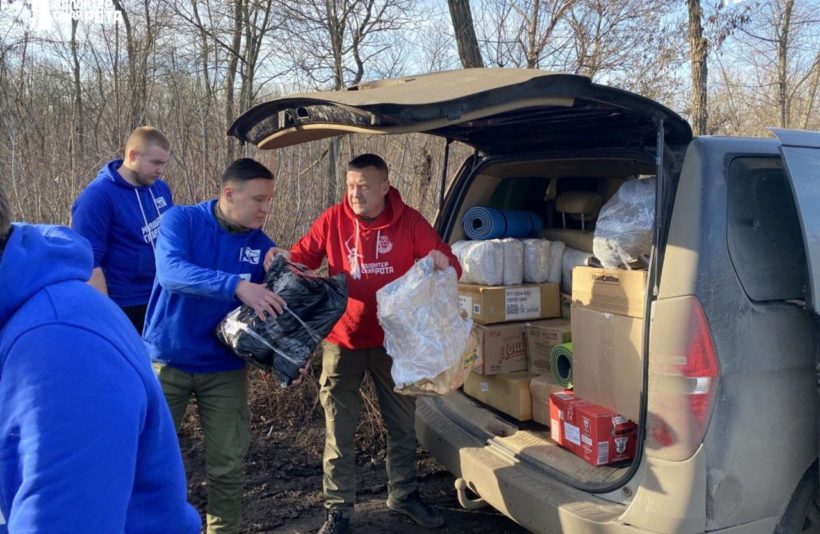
(119, 213)
(209, 261)
(86, 440)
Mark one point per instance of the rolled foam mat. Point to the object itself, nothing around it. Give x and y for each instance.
(491, 223)
(561, 364)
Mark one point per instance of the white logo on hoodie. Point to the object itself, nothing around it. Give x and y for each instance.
(250, 255)
(384, 245)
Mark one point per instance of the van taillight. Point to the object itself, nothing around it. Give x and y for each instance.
(683, 378)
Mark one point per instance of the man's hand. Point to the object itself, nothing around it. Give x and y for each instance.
(440, 261)
(303, 371)
(260, 299)
(272, 253)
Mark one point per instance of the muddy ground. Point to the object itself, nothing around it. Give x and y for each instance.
(283, 491)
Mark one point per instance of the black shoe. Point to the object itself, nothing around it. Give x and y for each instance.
(336, 523)
(416, 509)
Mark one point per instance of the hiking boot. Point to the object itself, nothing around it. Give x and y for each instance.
(416, 509)
(336, 523)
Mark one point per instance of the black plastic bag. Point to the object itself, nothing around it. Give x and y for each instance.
(283, 344)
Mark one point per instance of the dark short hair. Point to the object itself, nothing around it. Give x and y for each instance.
(5, 216)
(367, 160)
(245, 169)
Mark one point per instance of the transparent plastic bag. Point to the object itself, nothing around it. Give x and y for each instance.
(424, 332)
(623, 232)
(536, 260)
(513, 261)
(482, 262)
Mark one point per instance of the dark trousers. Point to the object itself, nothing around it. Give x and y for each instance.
(137, 315)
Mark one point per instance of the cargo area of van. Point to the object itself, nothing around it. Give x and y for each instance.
(550, 319)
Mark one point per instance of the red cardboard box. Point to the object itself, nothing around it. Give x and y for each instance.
(564, 420)
(605, 436)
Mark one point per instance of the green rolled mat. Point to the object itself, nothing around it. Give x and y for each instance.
(561, 364)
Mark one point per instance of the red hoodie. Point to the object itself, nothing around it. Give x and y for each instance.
(385, 249)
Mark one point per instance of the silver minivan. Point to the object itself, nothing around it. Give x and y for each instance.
(729, 399)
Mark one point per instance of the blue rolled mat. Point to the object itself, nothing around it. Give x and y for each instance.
(491, 223)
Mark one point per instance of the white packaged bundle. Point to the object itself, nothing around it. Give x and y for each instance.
(623, 232)
(536, 260)
(482, 262)
(572, 258)
(556, 261)
(424, 331)
(513, 261)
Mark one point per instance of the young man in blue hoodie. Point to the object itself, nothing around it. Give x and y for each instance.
(119, 214)
(86, 440)
(209, 260)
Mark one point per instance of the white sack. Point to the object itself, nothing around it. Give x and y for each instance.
(482, 262)
(555, 261)
(513, 261)
(623, 232)
(536, 260)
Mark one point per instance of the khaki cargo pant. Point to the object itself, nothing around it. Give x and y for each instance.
(222, 402)
(342, 375)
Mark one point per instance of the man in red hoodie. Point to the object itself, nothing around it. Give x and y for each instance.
(372, 237)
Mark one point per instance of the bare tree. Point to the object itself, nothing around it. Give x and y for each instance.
(462, 17)
(698, 49)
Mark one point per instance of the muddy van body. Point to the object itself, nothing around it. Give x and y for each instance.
(728, 394)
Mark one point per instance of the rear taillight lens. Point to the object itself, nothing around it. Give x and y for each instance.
(683, 378)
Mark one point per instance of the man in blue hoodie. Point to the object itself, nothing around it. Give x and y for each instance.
(119, 214)
(86, 440)
(209, 260)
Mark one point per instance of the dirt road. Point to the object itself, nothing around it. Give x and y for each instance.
(284, 471)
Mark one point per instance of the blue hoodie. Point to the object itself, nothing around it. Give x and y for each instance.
(121, 221)
(199, 265)
(87, 443)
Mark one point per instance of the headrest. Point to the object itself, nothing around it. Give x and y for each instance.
(585, 203)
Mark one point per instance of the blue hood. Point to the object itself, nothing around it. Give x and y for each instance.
(110, 172)
(37, 256)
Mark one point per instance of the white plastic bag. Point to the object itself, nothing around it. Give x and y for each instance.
(555, 261)
(424, 331)
(536, 260)
(623, 232)
(572, 258)
(513, 261)
(482, 262)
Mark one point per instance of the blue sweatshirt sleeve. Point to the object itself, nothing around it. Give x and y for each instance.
(176, 272)
(91, 218)
(79, 413)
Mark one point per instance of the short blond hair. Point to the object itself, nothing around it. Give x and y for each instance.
(144, 136)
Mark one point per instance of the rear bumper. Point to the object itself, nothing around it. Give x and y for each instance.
(535, 501)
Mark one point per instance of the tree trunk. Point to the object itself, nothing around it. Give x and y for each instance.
(462, 18)
(783, 64)
(78, 95)
(698, 49)
(231, 76)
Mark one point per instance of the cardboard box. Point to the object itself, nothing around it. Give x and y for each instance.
(541, 336)
(606, 437)
(610, 290)
(607, 362)
(566, 306)
(498, 304)
(564, 420)
(499, 348)
(508, 393)
(541, 387)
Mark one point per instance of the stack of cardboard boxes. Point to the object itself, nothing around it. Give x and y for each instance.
(514, 335)
(595, 420)
(510, 342)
